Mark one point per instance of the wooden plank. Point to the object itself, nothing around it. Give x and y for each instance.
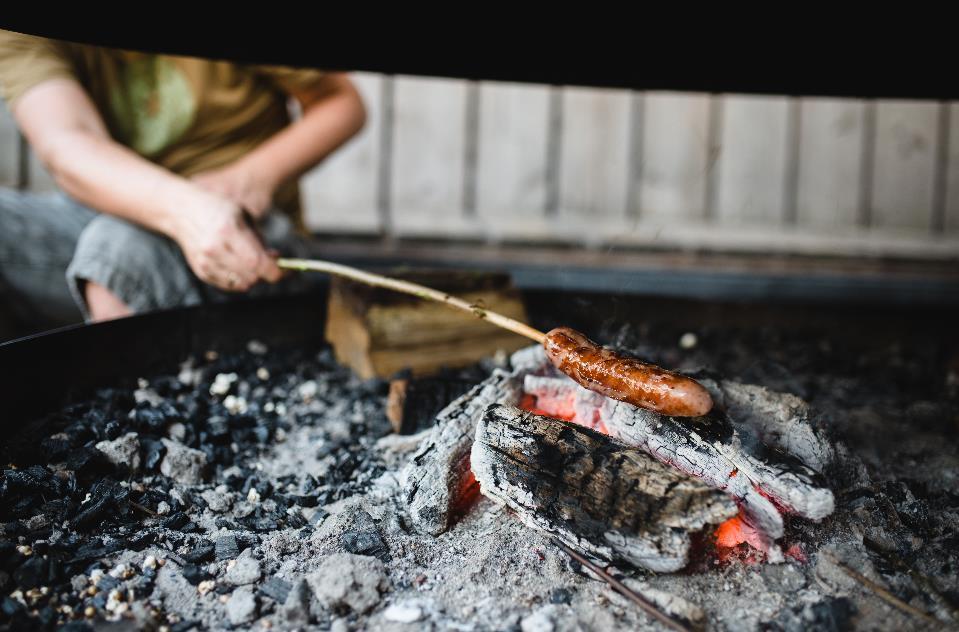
(904, 165)
(511, 166)
(830, 162)
(340, 194)
(594, 157)
(9, 148)
(952, 173)
(752, 163)
(428, 160)
(675, 149)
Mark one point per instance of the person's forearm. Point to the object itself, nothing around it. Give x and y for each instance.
(108, 177)
(326, 124)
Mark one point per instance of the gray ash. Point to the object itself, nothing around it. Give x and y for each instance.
(276, 501)
(170, 469)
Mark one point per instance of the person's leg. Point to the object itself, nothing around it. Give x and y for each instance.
(120, 268)
(38, 234)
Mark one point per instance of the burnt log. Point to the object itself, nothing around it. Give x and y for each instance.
(414, 403)
(597, 494)
(726, 452)
(438, 480)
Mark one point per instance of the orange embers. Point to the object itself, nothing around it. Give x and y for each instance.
(735, 531)
(467, 491)
(556, 408)
(563, 408)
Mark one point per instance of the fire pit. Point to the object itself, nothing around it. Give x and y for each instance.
(261, 485)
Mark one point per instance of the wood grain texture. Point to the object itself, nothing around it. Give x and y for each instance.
(428, 159)
(830, 163)
(340, 194)
(904, 165)
(952, 173)
(752, 162)
(672, 186)
(594, 156)
(511, 174)
(593, 492)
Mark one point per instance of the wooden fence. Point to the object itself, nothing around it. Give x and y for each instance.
(597, 168)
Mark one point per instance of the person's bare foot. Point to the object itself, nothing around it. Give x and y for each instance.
(103, 304)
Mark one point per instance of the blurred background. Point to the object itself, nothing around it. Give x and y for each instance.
(688, 194)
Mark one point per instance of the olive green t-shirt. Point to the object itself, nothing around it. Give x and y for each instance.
(183, 113)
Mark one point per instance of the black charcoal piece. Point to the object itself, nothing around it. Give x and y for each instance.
(153, 453)
(176, 521)
(202, 553)
(194, 574)
(276, 589)
(365, 543)
(226, 547)
(223, 523)
(304, 501)
(560, 595)
(9, 607)
(32, 573)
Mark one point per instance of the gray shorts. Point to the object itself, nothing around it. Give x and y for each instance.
(51, 245)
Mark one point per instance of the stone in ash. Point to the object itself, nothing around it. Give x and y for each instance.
(245, 571)
(241, 607)
(183, 464)
(346, 582)
(123, 451)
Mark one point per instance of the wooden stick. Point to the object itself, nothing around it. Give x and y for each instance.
(622, 588)
(879, 591)
(415, 289)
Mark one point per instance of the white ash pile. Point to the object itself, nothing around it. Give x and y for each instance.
(284, 505)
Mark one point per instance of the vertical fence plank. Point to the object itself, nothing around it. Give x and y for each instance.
(672, 185)
(904, 165)
(830, 163)
(952, 172)
(511, 176)
(753, 160)
(340, 195)
(594, 161)
(428, 161)
(9, 148)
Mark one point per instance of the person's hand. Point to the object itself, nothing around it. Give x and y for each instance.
(220, 246)
(239, 184)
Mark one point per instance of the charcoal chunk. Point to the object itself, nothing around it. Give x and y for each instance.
(202, 553)
(32, 573)
(194, 574)
(560, 595)
(276, 589)
(366, 543)
(153, 453)
(226, 547)
(176, 521)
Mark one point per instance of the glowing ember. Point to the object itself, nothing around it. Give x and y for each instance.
(466, 494)
(565, 409)
(735, 531)
(556, 408)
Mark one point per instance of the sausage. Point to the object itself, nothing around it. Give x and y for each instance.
(624, 378)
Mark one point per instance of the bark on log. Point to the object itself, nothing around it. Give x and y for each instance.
(725, 453)
(595, 493)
